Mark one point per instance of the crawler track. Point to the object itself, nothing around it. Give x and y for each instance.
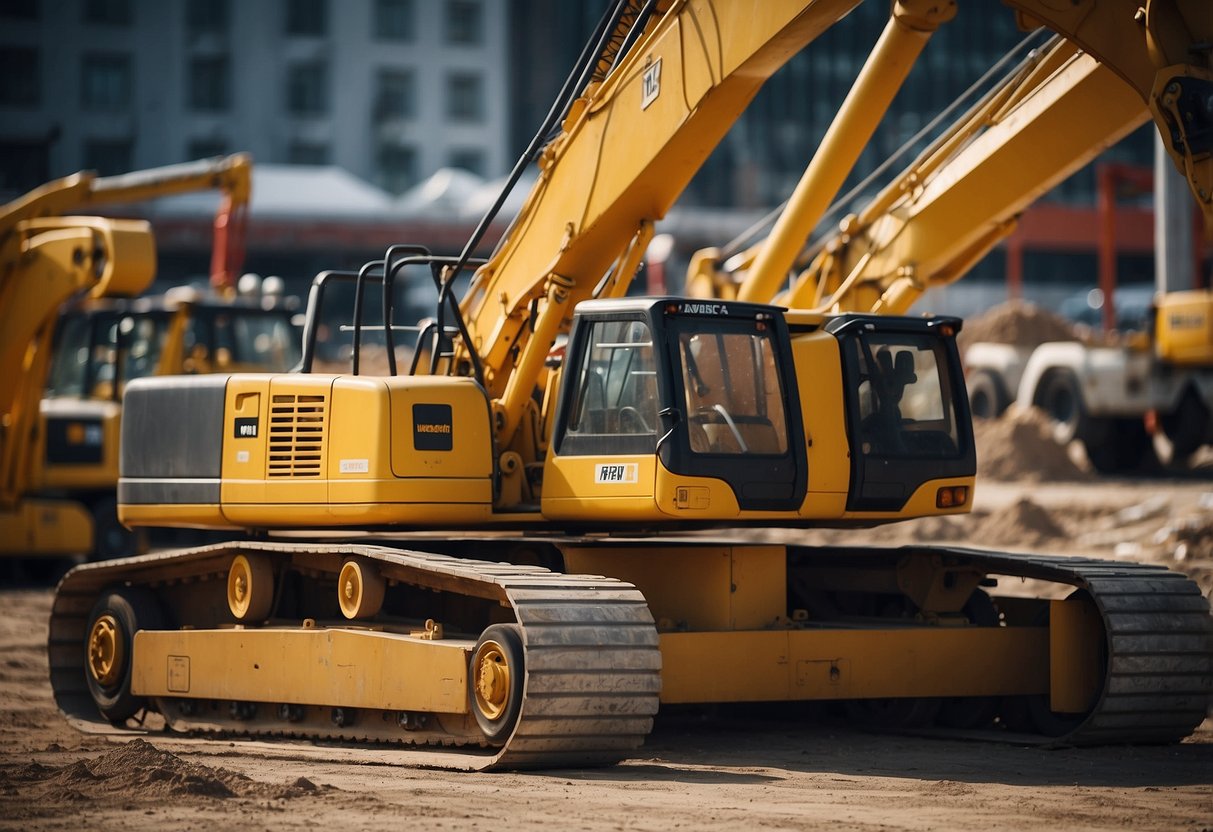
(593, 665)
(591, 658)
(1159, 638)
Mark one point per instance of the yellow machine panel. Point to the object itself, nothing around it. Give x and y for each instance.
(579, 487)
(46, 527)
(700, 587)
(862, 664)
(1184, 328)
(817, 362)
(305, 666)
(356, 449)
(77, 445)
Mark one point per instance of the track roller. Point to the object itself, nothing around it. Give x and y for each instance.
(360, 589)
(250, 587)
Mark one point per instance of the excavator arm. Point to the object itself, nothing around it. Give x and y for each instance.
(1117, 66)
(957, 201)
(629, 146)
(46, 258)
(43, 263)
(231, 175)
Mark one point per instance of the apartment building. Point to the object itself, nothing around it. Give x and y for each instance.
(390, 90)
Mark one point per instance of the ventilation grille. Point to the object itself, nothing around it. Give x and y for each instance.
(296, 435)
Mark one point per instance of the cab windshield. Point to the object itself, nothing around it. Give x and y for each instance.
(734, 398)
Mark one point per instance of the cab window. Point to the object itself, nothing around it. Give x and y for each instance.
(239, 340)
(734, 400)
(905, 404)
(614, 408)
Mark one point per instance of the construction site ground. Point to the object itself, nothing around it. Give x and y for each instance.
(770, 768)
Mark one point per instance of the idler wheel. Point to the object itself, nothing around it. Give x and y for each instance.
(108, 648)
(495, 681)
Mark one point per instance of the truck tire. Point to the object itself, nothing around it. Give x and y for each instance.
(987, 395)
(1060, 397)
(1114, 446)
(1186, 427)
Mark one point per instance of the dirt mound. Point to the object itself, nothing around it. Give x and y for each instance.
(138, 767)
(1020, 446)
(1190, 538)
(1018, 323)
(1022, 525)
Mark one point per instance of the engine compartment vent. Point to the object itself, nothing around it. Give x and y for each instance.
(296, 437)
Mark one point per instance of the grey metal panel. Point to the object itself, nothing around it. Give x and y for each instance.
(168, 491)
(172, 427)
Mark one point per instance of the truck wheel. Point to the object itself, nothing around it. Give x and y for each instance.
(1059, 396)
(108, 648)
(495, 677)
(987, 397)
(1117, 445)
(1186, 427)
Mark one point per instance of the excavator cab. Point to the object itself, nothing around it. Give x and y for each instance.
(907, 410)
(675, 408)
(662, 390)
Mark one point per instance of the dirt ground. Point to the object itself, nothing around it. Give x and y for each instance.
(771, 769)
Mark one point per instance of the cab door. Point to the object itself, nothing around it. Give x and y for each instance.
(734, 412)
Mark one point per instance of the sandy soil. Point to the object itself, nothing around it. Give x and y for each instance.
(725, 768)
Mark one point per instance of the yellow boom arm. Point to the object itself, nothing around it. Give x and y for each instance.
(47, 258)
(1119, 65)
(629, 146)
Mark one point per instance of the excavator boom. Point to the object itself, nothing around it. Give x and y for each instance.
(1119, 64)
(48, 258)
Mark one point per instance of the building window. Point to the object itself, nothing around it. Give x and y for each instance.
(467, 158)
(112, 12)
(24, 165)
(395, 96)
(307, 17)
(209, 83)
(108, 156)
(206, 148)
(464, 97)
(394, 20)
(307, 153)
(397, 167)
(105, 84)
(307, 89)
(20, 9)
(206, 17)
(464, 22)
(19, 78)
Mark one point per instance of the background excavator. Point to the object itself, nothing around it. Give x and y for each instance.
(538, 611)
(74, 336)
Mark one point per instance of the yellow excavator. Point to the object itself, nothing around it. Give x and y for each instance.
(73, 336)
(486, 557)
